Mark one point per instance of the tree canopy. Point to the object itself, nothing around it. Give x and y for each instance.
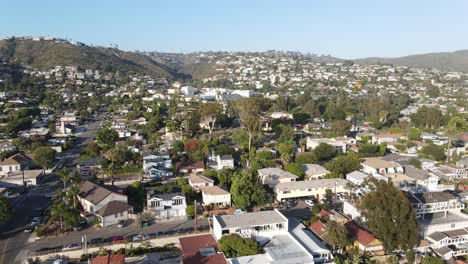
(45, 156)
(236, 246)
(390, 217)
(247, 190)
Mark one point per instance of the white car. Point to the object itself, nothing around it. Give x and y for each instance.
(139, 237)
(71, 247)
(309, 202)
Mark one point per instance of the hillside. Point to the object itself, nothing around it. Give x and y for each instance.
(444, 61)
(46, 54)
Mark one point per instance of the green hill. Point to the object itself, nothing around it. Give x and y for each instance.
(46, 54)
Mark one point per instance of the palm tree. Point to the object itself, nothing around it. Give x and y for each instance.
(65, 176)
(72, 194)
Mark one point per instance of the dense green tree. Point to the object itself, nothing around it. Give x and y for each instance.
(431, 260)
(235, 246)
(324, 151)
(136, 195)
(5, 211)
(178, 146)
(432, 152)
(44, 156)
(286, 151)
(250, 110)
(311, 108)
(344, 164)
(295, 169)
(196, 150)
(210, 113)
(223, 149)
(341, 127)
(190, 211)
(306, 158)
(390, 217)
(225, 176)
(414, 134)
(106, 137)
(301, 118)
(372, 150)
(247, 190)
(336, 235)
(285, 135)
(428, 117)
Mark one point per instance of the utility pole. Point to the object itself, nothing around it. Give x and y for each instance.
(195, 209)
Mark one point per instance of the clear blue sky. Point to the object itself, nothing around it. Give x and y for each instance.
(346, 28)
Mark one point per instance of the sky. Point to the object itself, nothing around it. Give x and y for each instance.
(341, 28)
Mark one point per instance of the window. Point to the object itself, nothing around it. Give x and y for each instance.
(10, 168)
(286, 192)
(116, 215)
(177, 202)
(121, 214)
(1, 168)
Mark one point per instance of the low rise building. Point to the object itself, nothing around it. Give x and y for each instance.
(315, 188)
(340, 146)
(214, 195)
(167, 206)
(381, 166)
(200, 182)
(274, 176)
(314, 171)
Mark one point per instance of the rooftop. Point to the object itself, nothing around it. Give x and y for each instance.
(113, 207)
(314, 169)
(195, 179)
(214, 190)
(251, 219)
(300, 185)
(193, 249)
(279, 173)
(380, 163)
(431, 197)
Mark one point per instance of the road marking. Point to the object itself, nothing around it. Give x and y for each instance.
(4, 250)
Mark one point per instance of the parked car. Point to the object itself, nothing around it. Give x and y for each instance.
(36, 220)
(117, 239)
(122, 223)
(156, 234)
(71, 247)
(140, 237)
(309, 202)
(30, 229)
(96, 241)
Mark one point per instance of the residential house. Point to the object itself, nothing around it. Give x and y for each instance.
(201, 249)
(216, 196)
(314, 171)
(380, 166)
(273, 176)
(449, 244)
(190, 167)
(451, 171)
(340, 146)
(387, 138)
(89, 167)
(109, 259)
(166, 206)
(438, 211)
(219, 162)
(364, 240)
(315, 188)
(108, 206)
(356, 177)
(286, 241)
(200, 182)
(16, 163)
(157, 166)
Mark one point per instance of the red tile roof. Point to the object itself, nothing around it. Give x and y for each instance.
(190, 165)
(358, 234)
(318, 228)
(324, 213)
(109, 259)
(191, 250)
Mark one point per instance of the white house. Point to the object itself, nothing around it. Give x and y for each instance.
(167, 206)
(356, 177)
(340, 146)
(216, 196)
(273, 176)
(108, 206)
(221, 161)
(200, 182)
(314, 188)
(286, 241)
(380, 166)
(157, 166)
(314, 171)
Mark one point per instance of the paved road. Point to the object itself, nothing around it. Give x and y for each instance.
(25, 207)
(108, 232)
